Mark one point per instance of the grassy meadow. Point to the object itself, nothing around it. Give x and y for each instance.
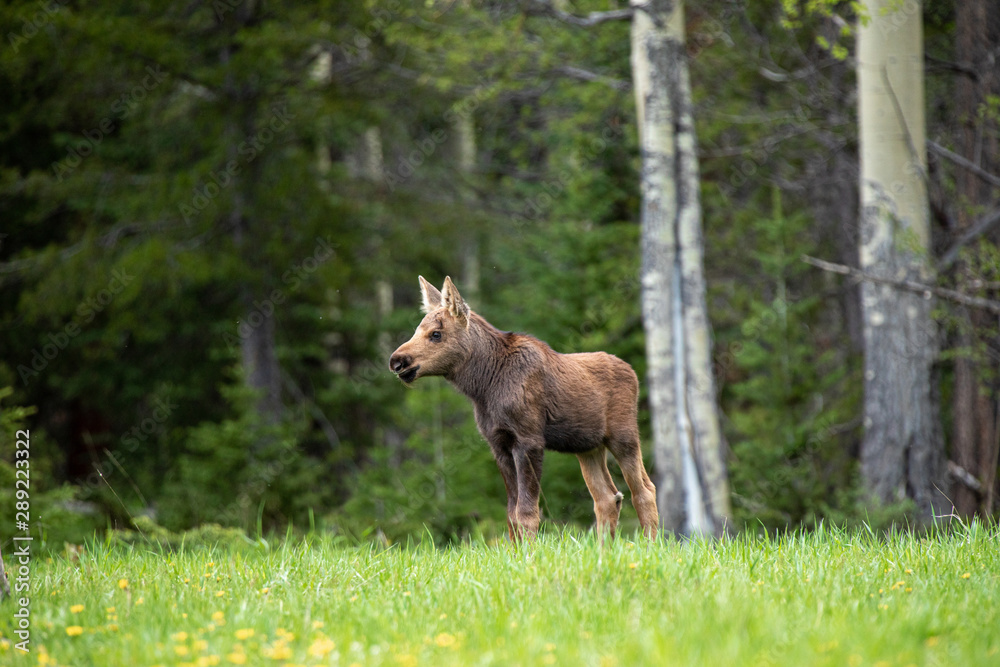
(828, 597)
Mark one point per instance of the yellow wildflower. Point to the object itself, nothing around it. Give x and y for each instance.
(321, 647)
(278, 651)
(444, 639)
(76, 609)
(74, 630)
(244, 633)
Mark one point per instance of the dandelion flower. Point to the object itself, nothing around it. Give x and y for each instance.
(316, 625)
(74, 630)
(444, 639)
(237, 658)
(321, 647)
(966, 575)
(76, 609)
(179, 636)
(244, 633)
(278, 651)
(218, 617)
(219, 594)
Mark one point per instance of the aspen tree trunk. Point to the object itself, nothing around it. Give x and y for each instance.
(465, 148)
(692, 483)
(902, 452)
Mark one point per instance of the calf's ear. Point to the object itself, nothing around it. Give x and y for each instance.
(430, 295)
(454, 303)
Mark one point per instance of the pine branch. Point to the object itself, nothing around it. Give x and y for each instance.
(909, 285)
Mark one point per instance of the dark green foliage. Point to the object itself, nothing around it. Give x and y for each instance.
(127, 274)
(791, 403)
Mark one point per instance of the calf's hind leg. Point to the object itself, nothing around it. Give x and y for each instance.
(607, 498)
(629, 457)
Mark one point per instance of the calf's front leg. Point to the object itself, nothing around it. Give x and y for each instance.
(528, 457)
(505, 462)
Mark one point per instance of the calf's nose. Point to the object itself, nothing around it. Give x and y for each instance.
(398, 362)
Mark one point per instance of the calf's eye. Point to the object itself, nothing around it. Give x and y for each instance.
(435, 335)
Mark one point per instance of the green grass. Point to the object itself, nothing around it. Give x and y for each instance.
(824, 598)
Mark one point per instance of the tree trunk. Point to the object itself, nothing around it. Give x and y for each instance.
(692, 484)
(258, 356)
(975, 437)
(465, 153)
(902, 453)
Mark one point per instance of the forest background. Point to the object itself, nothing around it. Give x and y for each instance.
(212, 216)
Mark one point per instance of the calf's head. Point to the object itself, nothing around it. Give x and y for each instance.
(442, 341)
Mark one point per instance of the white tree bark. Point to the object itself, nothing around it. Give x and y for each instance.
(692, 485)
(902, 453)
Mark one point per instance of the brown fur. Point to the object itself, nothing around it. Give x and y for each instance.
(529, 398)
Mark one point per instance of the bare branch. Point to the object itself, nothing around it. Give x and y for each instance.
(594, 77)
(965, 477)
(982, 226)
(962, 162)
(546, 8)
(909, 285)
(961, 68)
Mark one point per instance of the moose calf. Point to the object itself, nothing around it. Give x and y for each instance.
(527, 399)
